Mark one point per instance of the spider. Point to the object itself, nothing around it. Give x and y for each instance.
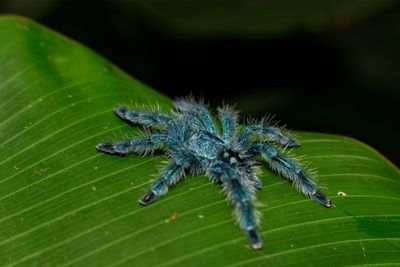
(195, 144)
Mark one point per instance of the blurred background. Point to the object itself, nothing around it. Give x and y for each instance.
(320, 65)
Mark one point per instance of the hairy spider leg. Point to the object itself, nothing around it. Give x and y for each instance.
(191, 123)
(135, 145)
(271, 132)
(292, 171)
(257, 184)
(207, 120)
(199, 110)
(242, 199)
(144, 118)
(169, 176)
(228, 118)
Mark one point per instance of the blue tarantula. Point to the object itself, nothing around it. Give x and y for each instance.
(195, 144)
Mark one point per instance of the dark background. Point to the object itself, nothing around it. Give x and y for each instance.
(325, 66)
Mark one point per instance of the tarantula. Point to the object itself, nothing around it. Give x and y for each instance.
(196, 145)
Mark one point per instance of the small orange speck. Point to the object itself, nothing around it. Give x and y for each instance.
(174, 216)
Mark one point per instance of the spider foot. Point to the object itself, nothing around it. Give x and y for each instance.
(105, 147)
(148, 198)
(293, 143)
(257, 184)
(121, 111)
(216, 181)
(323, 200)
(113, 149)
(254, 238)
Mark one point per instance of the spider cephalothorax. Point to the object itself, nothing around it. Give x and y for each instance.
(196, 145)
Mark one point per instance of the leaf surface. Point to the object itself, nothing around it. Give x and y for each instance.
(63, 203)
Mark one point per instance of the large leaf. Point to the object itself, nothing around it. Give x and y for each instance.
(63, 203)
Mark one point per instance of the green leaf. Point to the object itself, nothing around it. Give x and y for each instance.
(63, 203)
